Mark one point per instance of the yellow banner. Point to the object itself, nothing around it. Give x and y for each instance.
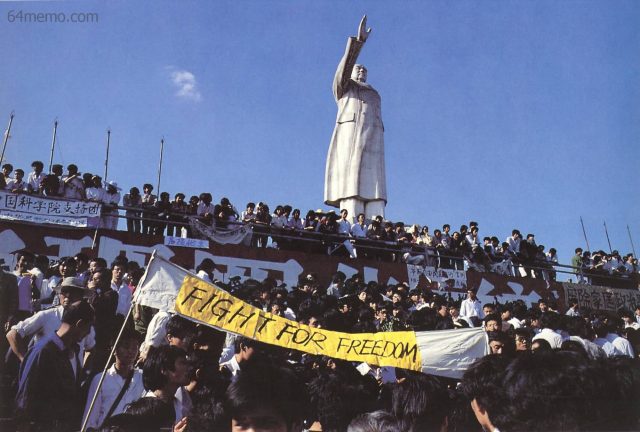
(203, 302)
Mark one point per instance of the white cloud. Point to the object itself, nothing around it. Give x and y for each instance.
(186, 85)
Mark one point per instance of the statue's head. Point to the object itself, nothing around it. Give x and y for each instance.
(359, 73)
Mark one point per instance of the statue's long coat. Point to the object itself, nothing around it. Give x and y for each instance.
(355, 163)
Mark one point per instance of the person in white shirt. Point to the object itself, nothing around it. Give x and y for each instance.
(549, 321)
(295, 222)
(471, 306)
(71, 185)
(344, 226)
(359, 229)
(245, 349)
(121, 287)
(165, 373)
(205, 270)
(34, 180)
(48, 321)
(122, 383)
(629, 320)
(156, 333)
(601, 332)
(110, 199)
(17, 184)
(344, 229)
(96, 192)
(622, 345)
(573, 308)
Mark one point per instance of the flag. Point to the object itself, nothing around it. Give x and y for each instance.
(169, 287)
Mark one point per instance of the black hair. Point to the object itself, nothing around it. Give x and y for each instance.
(150, 413)
(523, 332)
(421, 402)
(553, 391)
(158, 360)
(37, 164)
(127, 334)
(75, 312)
(493, 317)
(339, 396)
(263, 385)
(550, 320)
(241, 341)
(543, 346)
(376, 421)
(180, 328)
(574, 346)
(147, 186)
(482, 382)
(26, 254)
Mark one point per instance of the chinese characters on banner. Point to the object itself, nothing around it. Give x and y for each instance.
(446, 278)
(601, 298)
(186, 242)
(38, 209)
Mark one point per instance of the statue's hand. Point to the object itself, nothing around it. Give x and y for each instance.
(363, 31)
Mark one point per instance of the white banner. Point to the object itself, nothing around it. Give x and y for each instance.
(228, 236)
(446, 278)
(592, 297)
(445, 353)
(47, 210)
(186, 242)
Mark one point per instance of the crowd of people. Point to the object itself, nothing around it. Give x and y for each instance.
(319, 231)
(548, 368)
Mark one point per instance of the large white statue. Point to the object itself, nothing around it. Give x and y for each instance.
(355, 174)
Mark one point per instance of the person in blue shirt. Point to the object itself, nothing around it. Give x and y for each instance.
(49, 396)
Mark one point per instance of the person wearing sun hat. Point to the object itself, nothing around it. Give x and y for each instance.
(48, 321)
(110, 200)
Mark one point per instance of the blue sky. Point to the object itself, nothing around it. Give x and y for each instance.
(516, 114)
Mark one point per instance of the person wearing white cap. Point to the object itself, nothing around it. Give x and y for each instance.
(48, 321)
(111, 198)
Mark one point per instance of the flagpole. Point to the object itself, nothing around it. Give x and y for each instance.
(160, 166)
(6, 136)
(106, 161)
(631, 240)
(607, 233)
(53, 142)
(585, 234)
(104, 371)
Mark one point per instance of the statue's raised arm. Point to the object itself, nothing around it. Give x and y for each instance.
(363, 31)
(345, 67)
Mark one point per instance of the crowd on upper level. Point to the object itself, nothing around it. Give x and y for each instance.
(318, 231)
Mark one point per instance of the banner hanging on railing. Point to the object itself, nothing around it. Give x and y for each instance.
(592, 297)
(240, 234)
(446, 278)
(47, 210)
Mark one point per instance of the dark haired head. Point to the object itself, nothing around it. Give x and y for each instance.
(148, 414)
(78, 311)
(159, 360)
(180, 328)
(270, 390)
(482, 385)
(550, 320)
(376, 421)
(553, 391)
(420, 401)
